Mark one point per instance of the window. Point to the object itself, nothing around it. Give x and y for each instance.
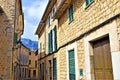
(29, 53)
(42, 72)
(71, 60)
(40, 47)
(52, 40)
(34, 73)
(50, 70)
(53, 11)
(29, 61)
(15, 38)
(36, 64)
(71, 13)
(40, 50)
(48, 20)
(29, 72)
(54, 69)
(88, 2)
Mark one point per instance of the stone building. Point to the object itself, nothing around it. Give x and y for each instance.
(33, 65)
(47, 28)
(11, 23)
(79, 40)
(22, 68)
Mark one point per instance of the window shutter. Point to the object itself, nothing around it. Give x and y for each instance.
(55, 38)
(54, 69)
(48, 20)
(51, 45)
(48, 42)
(88, 2)
(15, 38)
(42, 72)
(35, 64)
(71, 65)
(71, 13)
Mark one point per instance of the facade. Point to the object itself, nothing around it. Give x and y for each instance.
(24, 62)
(47, 28)
(11, 23)
(33, 65)
(86, 43)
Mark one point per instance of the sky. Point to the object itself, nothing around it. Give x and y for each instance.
(33, 11)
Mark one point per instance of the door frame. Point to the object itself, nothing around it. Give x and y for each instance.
(108, 30)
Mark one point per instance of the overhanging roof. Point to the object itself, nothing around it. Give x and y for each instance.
(45, 16)
(61, 8)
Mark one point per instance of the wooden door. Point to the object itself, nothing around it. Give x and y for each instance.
(102, 60)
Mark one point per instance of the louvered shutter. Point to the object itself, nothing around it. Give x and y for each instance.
(54, 69)
(71, 65)
(51, 43)
(55, 38)
(71, 13)
(15, 38)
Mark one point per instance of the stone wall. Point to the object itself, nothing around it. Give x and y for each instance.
(85, 18)
(6, 35)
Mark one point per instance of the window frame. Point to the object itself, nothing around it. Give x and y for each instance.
(53, 11)
(71, 13)
(52, 40)
(49, 20)
(29, 61)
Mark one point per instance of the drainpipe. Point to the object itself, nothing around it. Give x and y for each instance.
(13, 74)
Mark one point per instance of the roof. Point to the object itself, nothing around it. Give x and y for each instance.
(45, 15)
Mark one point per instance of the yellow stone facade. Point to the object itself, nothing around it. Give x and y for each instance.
(90, 23)
(21, 68)
(10, 13)
(33, 65)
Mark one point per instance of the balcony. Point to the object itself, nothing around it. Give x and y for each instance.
(62, 5)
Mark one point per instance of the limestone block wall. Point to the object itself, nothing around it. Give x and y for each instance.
(62, 65)
(6, 37)
(85, 18)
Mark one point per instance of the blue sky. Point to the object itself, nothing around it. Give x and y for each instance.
(33, 11)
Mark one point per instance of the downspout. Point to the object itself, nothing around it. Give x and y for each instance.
(13, 74)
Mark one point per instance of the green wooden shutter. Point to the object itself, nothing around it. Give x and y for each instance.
(54, 69)
(15, 38)
(55, 38)
(48, 42)
(48, 20)
(71, 13)
(71, 65)
(87, 2)
(51, 43)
